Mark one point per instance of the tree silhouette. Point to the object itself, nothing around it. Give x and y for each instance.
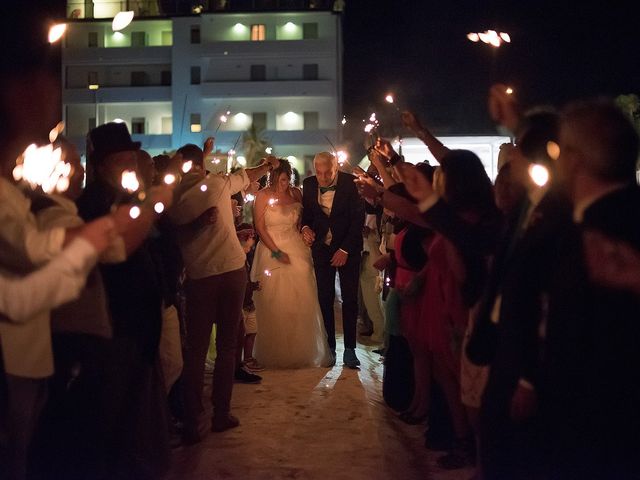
(254, 144)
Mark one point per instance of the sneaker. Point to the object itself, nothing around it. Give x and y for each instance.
(243, 375)
(226, 422)
(253, 365)
(349, 358)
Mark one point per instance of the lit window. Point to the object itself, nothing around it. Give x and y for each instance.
(257, 33)
(196, 126)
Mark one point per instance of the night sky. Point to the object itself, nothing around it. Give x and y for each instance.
(418, 49)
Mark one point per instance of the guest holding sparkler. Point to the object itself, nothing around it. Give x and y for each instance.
(138, 444)
(215, 265)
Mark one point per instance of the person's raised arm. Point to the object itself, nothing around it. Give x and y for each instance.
(438, 150)
(260, 206)
(268, 164)
(378, 161)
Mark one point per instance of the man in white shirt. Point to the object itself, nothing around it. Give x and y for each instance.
(217, 278)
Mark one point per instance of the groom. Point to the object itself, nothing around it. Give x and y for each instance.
(332, 222)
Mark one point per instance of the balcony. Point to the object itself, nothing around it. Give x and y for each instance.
(117, 95)
(121, 56)
(268, 48)
(277, 137)
(281, 88)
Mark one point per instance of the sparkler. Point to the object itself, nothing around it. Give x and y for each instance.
(273, 202)
(134, 212)
(43, 167)
(186, 166)
(490, 37)
(224, 118)
(169, 179)
(269, 272)
(391, 101)
(129, 181)
(539, 174)
(159, 207)
(342, 157)
(371, 128)
(56, 32)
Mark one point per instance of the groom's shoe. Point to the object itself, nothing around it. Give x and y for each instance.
(349, 358)
(331, 361)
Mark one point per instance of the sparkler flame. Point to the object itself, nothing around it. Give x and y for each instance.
(135, 212)
(553, 150)
(539, 174)
(186, 166)
(389, 98)
(169, 178)
(159, 207)
(130, 181)
(491, 37)
(509, 91)
(56, 131)
(273, 202)
(56, 32)
(342, 157)
(203, 188)
(44, 167)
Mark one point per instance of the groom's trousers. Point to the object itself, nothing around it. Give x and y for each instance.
(349, 281)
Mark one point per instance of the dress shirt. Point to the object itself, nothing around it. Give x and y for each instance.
(209, 249)
(326, 204)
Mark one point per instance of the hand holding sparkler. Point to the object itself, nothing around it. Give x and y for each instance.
(207, 149)
(416, 183)
(503, 106)
(368, 188)
(384, 148)
(410, 121)
(100, 233)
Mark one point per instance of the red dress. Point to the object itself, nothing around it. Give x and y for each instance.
(411, 324)
(443, 312)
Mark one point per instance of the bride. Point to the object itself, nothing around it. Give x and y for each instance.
(291, 331)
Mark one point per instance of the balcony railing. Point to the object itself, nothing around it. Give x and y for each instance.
(166, 8)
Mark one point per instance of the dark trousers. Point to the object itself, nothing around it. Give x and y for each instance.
(349, 283)
(212, 299)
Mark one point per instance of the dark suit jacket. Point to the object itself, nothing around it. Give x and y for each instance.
(591, 380)
(347, 215)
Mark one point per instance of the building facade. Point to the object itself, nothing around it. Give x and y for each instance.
(172, 77)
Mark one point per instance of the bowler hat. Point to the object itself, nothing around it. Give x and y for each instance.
(109, 138)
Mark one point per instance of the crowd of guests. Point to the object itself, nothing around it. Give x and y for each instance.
(511, 316)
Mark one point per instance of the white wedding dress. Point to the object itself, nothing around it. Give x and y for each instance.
(291, 331)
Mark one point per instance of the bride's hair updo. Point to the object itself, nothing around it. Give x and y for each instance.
(284, 167)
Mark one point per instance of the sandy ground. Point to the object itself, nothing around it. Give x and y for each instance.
(314, 424)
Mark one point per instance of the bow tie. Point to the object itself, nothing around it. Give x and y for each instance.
(327, 189)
